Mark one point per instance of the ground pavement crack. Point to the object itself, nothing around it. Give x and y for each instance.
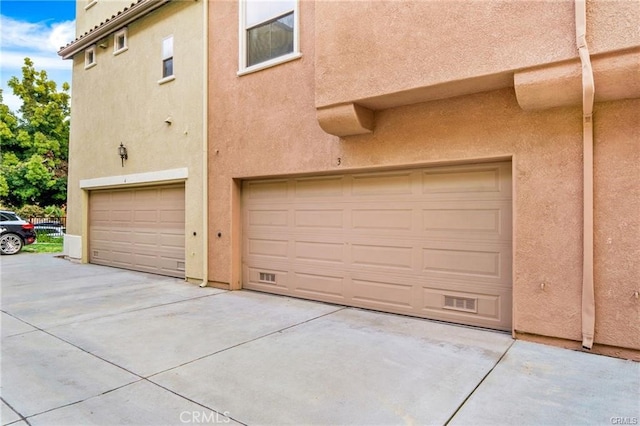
(479, 383)
(249, 341)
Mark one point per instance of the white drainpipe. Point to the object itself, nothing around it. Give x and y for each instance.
(588, 91)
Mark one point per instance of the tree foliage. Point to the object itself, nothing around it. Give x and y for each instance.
(35, 141)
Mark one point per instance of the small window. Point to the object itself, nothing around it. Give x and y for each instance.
(120, 42)
(90, 57)
(167, 57)
(269, 33)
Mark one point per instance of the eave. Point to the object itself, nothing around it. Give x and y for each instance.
(129, 14)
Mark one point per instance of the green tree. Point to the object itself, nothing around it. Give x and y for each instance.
(35, 142)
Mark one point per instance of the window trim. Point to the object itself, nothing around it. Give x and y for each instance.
(243, 69)
(123, 33)
(90, 4)
(90, 50)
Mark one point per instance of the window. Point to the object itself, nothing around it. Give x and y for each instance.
(120, 42)
(90, 57)
(167, 57)
(269, 33)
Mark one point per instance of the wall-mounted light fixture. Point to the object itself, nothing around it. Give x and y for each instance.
(122, 150)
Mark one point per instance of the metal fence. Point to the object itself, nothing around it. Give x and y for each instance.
(51, 221)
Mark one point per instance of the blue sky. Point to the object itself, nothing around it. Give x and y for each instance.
(36, 29)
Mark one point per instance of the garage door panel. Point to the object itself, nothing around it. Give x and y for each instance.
(384, 295)
(322, 187)
(323, 252)
(175, 240)
(384, 219)
(145, 238)
(382, 184)
(269, 218)
(123, 216)
(319, 219)
(170, 197)
(150, 217)
(144, 198)
(381, 256)
(319, 285)
(270, 190)
(478, 180)
(469, 220)
(172, 217)
(140, 229)
(433, 243)
(461, 262)
(268, 248)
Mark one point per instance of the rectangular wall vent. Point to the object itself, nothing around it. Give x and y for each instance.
(464, 304)
(267, 277)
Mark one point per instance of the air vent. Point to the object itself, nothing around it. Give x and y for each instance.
(95, 253)
(267, 277)
(180, 266)
(464, 304)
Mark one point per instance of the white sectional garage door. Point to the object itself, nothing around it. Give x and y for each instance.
(433, 242)
(140, 229)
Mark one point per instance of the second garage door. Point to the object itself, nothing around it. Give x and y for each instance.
(140, 229)
(433, 243)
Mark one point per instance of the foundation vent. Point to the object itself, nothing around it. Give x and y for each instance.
(464, 304)
(180, 266)
(267, 277)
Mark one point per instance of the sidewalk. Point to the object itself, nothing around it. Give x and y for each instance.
(85, 344)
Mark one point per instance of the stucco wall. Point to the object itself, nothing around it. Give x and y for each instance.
(367, 50)
(617, 222)
(264, 124)
(120, 100)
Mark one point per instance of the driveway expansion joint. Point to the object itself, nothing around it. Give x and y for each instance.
(479, 384)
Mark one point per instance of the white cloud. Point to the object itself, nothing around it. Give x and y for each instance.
(39, 41)
(62, 33)
(35, 36)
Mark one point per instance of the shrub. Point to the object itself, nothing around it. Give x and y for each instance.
(30, 210)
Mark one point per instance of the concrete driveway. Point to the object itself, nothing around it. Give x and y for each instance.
(85, 344)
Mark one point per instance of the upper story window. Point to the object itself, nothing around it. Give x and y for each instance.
(120, 41)
(90, 57)
(167, 57)
(268, 33)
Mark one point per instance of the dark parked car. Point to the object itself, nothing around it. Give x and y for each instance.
(52, 229)
(14, 233)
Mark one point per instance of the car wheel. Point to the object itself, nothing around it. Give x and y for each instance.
(10, 244)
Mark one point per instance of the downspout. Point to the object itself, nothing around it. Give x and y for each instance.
(205, 146)
(588, 90)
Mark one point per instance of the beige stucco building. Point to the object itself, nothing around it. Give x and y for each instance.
(475, 162)
(426, 158)
(138, 80)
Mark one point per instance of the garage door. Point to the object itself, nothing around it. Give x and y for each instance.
(433, 243)
(140, 229)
